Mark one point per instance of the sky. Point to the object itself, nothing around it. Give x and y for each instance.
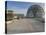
(19, 7)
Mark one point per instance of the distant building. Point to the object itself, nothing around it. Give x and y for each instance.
(35, 11)
(18, 15)
(9, 14)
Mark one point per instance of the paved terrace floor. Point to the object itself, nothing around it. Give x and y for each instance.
(26, 25)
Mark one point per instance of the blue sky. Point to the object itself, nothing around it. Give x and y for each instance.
(18, 7)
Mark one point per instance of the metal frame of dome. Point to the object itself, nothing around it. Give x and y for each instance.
(36, 7)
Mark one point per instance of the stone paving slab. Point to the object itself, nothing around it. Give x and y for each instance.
(25, 25)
